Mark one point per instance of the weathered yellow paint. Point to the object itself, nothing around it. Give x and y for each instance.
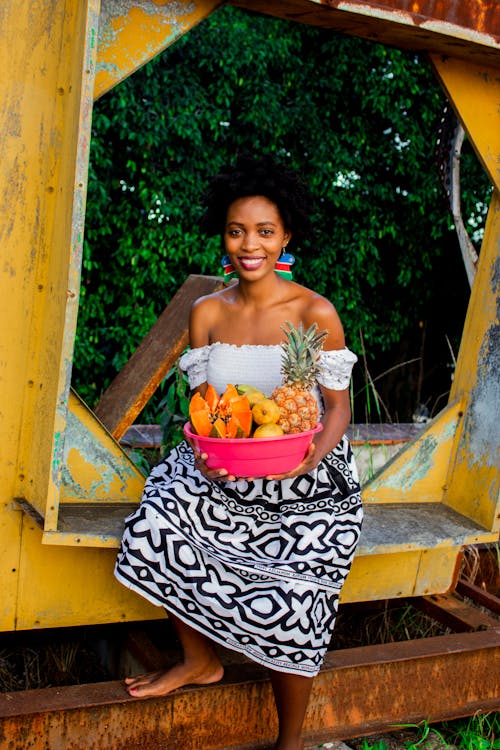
(95, 466)
(474, 92)
(42, 55)
(473, 482)
(65, 539)
(78, 466)
(132, 32)
(418, 473)
(416, 573)
(64, 586)
(48, 58)
(437, 570)
(10, 535)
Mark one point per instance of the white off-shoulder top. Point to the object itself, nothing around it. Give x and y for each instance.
(260, 366)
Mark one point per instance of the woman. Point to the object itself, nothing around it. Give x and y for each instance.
(256, 565)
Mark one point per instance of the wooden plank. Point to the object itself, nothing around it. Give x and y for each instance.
(134, 385)
(150, 435)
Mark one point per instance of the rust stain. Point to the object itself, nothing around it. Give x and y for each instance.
(360, 690)
(480, 15)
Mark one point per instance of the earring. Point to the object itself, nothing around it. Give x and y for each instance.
(284, 264)
(282, 267)
(229, 272)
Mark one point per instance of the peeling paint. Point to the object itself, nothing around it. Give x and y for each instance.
(483, 424)
(132, 33)
(91, 471)
(414, 464)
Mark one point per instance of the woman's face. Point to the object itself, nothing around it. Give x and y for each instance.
(254, 236)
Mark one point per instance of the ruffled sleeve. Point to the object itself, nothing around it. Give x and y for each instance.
(195, 364)
(335, 368)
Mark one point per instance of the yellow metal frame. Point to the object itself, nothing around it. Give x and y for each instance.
(54, 450)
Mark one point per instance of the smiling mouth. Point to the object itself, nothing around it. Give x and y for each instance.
(250, 263)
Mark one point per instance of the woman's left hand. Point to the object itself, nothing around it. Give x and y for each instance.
(308, 464)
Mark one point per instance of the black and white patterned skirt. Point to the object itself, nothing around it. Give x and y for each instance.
(256, 566)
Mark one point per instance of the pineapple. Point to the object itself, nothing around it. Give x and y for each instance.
(298, 406)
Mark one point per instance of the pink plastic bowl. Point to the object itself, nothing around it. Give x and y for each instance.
(254, 457)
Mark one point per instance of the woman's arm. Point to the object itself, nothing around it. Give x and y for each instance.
(337, 408)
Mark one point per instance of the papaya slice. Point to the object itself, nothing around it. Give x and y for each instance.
(229, 394)
(227, 416)
(212, 398)
(244, 420)
(201, 422)
(232, 428)
(218, 429)
(197, 403)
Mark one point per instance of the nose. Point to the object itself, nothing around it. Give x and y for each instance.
(251, 241)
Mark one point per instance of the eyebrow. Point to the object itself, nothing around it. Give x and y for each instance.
(260, 223)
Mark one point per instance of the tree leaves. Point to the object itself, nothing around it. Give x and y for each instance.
(358, 120)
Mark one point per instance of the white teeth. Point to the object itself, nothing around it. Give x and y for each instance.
(251, 262)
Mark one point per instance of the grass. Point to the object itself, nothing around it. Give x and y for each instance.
(479, 732)
(52, 663)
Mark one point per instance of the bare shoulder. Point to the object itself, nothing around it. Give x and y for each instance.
(205, 313)
(320, 310)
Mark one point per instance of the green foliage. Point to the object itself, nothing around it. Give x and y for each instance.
(357, 119)
(173, 409)
(480, 732)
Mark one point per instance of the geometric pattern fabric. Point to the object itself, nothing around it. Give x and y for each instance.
(256, 566)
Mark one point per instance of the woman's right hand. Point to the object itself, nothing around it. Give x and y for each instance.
(214, 475)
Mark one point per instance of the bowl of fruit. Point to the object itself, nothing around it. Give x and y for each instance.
(243, 431)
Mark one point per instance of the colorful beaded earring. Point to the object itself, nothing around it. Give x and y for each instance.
(284, 264)
(229, 272)
(282, 267)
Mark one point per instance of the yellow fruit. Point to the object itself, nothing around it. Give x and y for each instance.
(265, 411)
(253, 397)
(253, 394)
(271, 429)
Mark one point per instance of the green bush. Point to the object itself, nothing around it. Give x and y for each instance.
(359, 120)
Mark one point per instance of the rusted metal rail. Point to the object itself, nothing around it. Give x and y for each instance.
(359, 691)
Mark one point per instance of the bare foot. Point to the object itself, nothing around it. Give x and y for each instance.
(154, 684)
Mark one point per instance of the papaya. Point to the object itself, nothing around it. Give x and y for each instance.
(226, 416)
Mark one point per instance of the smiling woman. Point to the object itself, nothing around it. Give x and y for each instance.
(296, 531)
(255, 236)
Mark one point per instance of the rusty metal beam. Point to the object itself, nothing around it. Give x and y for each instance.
(461, 30)
(479, 596)
(454, 613)
(140, 377)
(358, 692)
